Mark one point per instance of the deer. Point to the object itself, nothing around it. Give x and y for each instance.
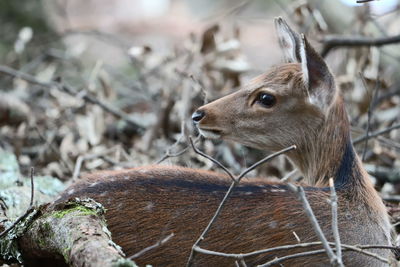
(293, 103)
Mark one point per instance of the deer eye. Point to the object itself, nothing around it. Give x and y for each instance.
(267, 100)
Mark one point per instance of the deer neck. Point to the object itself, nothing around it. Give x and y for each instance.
(329, 153)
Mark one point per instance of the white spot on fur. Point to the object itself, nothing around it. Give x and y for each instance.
(289, 225)
(272, 224)
(105, 193)
(93, 184)
(248, 193)
(149, 206)
(277, 190)
(71, 191)
(126, 177)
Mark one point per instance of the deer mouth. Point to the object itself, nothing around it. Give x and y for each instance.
(210, 133)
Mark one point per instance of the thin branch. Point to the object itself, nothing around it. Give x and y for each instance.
(257, 252)
(159, 243)
(255, 165)
(243, 263)
(351, 41)
(289, 175)
(53, 148)
(82, 158)
(212, 159)
(169, 153)
(30, 209)
(66, 88)
(229, 11)
(288, 257)
(335, 226)
(310, 214)
(200, 87)
(356, 248)
(370, 109)
(205, 231)
(32, 187)
(20, 218)
(235, 181)
(375, 134)
(315, 252)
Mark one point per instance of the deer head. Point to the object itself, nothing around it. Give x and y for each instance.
(293, 103)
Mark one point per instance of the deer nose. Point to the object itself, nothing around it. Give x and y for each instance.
(198, 115)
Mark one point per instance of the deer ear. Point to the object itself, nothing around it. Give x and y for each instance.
(289, 41)
(317, 77)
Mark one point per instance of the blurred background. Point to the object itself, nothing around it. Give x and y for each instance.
(97, 84)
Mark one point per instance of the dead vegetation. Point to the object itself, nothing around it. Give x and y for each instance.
(65, 118)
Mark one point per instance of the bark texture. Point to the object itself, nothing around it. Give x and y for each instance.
(74, 232)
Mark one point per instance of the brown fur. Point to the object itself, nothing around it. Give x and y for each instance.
(146, 204)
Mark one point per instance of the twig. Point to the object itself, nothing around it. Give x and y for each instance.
(243, 262)
(32, 187)
(54, 149)
(27, 212)
(363, 1)
(231, 175)
(314, 252)
(289, 175)
(20, 218)
(375, 134)
(169, 154)
(391, 198)
(235, 181)
(258, 163)
(81, 159)
(200, 87)
(356, 248)
(370, 109)
(159, 243)
(296, 255)
(310, 214)
(230, 11)
(85, 95)
(335, 226)
(347, 41)
(285, 9)
(205, 231)
(257, 252)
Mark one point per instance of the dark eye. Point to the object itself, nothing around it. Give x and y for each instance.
(266, 100)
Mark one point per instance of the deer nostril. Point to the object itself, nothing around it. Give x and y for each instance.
(198, 115)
